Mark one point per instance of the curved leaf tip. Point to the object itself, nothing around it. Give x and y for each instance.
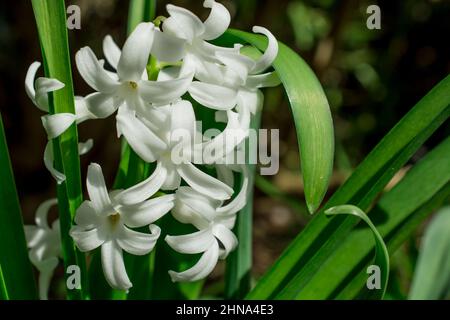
(381, 252)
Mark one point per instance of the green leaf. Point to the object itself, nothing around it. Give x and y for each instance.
(381, 252)
(51, 24)
(139, 11)
(432, 276)
(312, 117)
(398, 213)
(16, 274)
(317, 242)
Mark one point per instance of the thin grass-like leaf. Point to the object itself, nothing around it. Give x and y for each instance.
(381, 252)
(51, 24)
(317, 242)
(16, 274)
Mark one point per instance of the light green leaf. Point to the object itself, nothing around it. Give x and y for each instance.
(51, 24)
(16, 274)
(432, 276)
(312, 116)
(322, 236)
(381, 252)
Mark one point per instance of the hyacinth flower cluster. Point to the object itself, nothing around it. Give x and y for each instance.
(155, 116)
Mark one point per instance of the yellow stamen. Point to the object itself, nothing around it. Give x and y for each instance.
(133, 84)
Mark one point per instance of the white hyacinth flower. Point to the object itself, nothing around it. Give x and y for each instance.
(184, 37)
(104, 222)
(44, 243)
(237, 82)
(54, 124)
(214, 222)
(130, 85)
(180, 122)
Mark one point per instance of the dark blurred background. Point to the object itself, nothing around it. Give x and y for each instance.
(371, 78)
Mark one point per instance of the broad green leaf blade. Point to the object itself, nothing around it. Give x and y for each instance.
(398, 213)
(381, 252)
(16, 274)
(312, 116)
(51, 23)
(317, 242)
(432, 276)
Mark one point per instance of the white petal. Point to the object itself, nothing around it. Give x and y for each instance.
(173, 179)
(201, 269)
(217, 22)
(29, 81)
(193, 243)
(265, 80)
(237, 62)
(197, 202)
(226, 237)
(266, 60)
(111, 51)
(102, 105)
(46, 268)
(85, 147)
(43, 87)
(203, 182)
(86, 215)
(169, 73)
(147, 212)
(167, 47)
(114, 266)
(87, 240)
(182, 23)
(135, 52)
(164, 92)
(81, 110)
(213, 96)
(48, 162)
(93, 73)
(42, 212)
(34, 235)
(241, 198)
(138, 243)
(141, 139)
(98, 193)
(144, 189)
(57, 124)
(225, 175)
(226, 141)
(251, 100)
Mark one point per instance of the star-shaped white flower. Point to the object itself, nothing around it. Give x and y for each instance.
(236, 81)
(129, 86)
(185, 37)
(104, 222)
(214, 222)
(179, 121)
(44, 243)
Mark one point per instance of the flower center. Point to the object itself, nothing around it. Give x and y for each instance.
(133, 85)
(114, 219)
